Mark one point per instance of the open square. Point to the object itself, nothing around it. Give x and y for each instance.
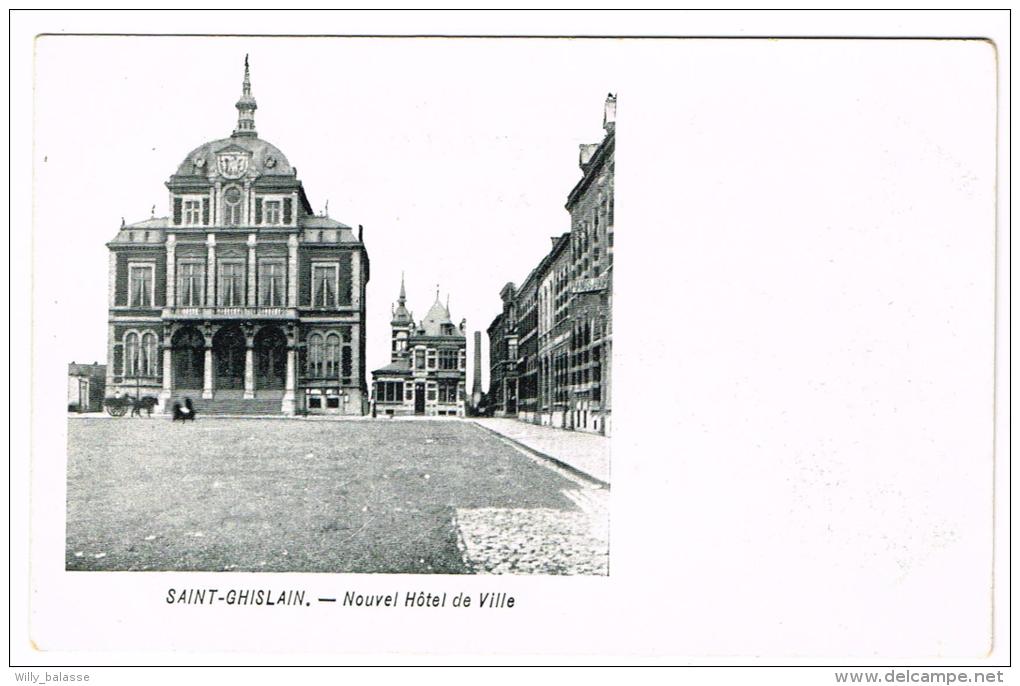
(292, 495)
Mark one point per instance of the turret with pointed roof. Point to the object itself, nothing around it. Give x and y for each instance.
(402, 326)
(401, 316)
(246, 107)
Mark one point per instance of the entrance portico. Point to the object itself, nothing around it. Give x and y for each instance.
(247, 361)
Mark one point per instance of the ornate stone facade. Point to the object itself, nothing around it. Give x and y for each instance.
(242, 299)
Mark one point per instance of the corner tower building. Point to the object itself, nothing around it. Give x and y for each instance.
(426, 374)
(243, 299)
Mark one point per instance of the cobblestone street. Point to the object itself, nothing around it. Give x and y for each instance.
(294, 495)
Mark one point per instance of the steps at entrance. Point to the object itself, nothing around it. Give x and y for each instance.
(221, 406)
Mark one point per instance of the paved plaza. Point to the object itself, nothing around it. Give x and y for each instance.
(314, 496)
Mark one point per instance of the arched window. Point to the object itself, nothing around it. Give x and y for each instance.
(150, 354)
(232, 206)
(315, 355)
(131, 354)
(332, 357)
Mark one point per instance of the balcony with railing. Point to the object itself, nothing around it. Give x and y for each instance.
(231, 312)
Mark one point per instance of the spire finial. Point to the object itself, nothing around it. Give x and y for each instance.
(403, 295)
(437, 292)
(246, 107)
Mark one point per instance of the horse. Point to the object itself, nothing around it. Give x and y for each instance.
(184, 413)
(144, 403)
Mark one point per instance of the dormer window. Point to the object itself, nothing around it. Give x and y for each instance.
(272, 212)
(192, 212)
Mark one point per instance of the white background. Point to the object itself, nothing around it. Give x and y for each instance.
(804, 329)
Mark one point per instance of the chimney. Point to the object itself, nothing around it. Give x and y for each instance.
(476, 385)
(609, 118)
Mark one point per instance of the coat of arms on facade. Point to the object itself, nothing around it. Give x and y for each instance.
(233, 165)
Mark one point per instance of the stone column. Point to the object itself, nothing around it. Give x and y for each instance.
(210, 277)
(292, 271)
(168, 371)
(289, 405)
(252, 294)
(249, 362)
(207, 381)
(171, 270)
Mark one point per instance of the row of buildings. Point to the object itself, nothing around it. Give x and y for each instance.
(550, 348)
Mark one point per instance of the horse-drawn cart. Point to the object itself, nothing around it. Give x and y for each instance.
(119, 406)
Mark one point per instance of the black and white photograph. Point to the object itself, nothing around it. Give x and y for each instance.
(329, 351)
(307, 414)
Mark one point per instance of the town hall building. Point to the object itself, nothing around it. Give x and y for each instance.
(242, 300)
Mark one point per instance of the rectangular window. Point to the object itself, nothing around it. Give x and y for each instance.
(190, 284)
(231, 284)
(315, 402)
(408, 392)
(448, 391)
(432, 358)
(287, 211)
(431, 395)
(272, 283)
(448, 359)
(389, 391)
(192, 212)
(177, 210)
(324, 278)
(272, 212)
(140, 285)
(419, 359)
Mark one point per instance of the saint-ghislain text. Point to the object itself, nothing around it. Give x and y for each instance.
(235, 596)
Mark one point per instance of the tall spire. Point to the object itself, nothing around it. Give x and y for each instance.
(246, 107)
(401, 317)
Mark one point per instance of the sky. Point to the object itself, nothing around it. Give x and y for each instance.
(457, 160)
